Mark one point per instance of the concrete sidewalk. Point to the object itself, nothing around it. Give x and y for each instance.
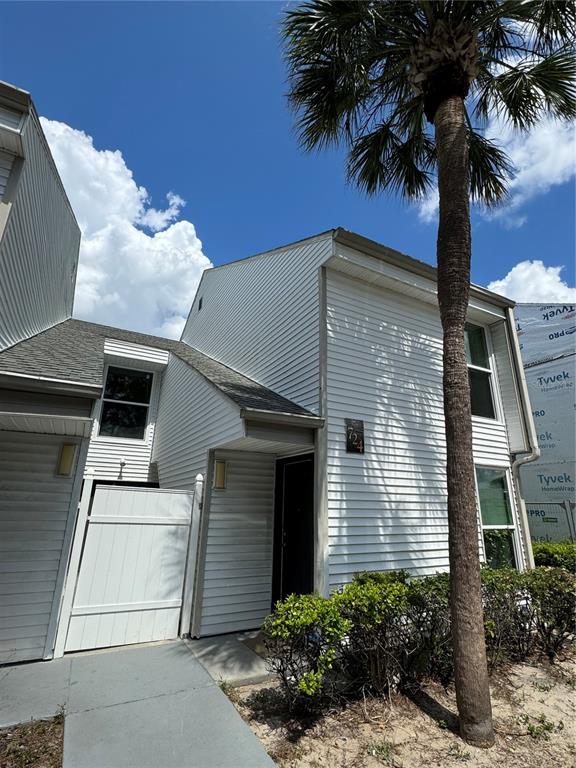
(148, 706)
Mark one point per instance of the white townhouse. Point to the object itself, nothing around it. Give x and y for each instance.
(349, 330)
(152, 488)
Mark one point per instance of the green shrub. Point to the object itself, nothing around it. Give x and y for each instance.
(375, 609)
(509, 621)
(429, 653)
(555, 554)
(552, 592)
(385, 631)
(381, 577)
(303, 640)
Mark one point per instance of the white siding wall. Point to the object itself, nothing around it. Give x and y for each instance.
(34, 510)
(260, 316)
(104, 453)
(192, 418)
(6, 161)
(39, 248)
(237, 590)
(387, 508)
(508, 388)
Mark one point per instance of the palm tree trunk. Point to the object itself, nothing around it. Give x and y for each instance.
(453, 254)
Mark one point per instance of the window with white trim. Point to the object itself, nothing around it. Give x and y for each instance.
(498, 527)
(479, 372)
(125, 403)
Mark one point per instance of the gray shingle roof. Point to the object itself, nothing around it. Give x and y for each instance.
(74, 351)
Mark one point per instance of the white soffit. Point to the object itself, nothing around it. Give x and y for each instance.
(46, 424)
(377, 272)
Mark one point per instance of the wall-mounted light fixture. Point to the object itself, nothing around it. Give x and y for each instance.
(66, 460)
(219, 475)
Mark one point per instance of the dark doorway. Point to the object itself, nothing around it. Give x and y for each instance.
(294, 527)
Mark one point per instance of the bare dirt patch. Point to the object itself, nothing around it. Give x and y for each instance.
(37, 744)
(534, 715)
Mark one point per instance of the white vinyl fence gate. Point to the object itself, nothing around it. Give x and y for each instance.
(132, 561)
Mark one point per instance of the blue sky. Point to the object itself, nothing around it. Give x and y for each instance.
(193, 96)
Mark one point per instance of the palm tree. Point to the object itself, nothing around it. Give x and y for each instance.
(408, 88)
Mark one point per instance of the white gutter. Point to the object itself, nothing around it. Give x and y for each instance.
(278, 417)
(533, 452)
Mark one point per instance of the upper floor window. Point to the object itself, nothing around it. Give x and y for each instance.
(125, 403)
(497, 518)
(479, 372)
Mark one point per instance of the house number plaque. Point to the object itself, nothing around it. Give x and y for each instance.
(354, 436)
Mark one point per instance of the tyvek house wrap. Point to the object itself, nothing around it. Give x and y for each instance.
(547, 335)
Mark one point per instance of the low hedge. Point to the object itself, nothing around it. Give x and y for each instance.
(385, 631)
(555, 554)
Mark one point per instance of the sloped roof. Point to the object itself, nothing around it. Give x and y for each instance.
(74, 351)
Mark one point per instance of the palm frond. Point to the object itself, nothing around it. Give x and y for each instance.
(522, 92)
(382, 159)
(360, 72)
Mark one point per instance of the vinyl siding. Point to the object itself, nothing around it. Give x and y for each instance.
(237, 591)
(6, 161)
(260, 316)
(123, 349)
(34, 510)
(39, 247)
(508, 388)
(387, 507)
(10, 117)
(192, 418)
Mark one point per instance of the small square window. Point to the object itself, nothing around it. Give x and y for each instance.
(125, 403)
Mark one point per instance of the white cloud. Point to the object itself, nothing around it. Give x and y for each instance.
(139, 266)
(533, 281)
(542, 158)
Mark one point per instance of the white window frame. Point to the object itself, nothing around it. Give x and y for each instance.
(129, 366)
(494, 389)
(514, 527)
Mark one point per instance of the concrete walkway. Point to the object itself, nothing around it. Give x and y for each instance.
(232, 658)
(148, 706)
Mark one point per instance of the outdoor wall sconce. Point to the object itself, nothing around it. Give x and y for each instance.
(219, 475)
(66, 460)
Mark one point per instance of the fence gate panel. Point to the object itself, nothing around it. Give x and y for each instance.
(132, 568)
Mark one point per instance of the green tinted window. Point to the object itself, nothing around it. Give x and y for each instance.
(499, 548)
(493, 493)
(476, 351)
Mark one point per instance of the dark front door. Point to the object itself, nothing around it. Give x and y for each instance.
(294, 527)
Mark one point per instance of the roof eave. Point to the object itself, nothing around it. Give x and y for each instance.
(410, 264)
(29, 383)
(306, 421)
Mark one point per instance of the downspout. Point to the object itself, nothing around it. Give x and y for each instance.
(533, 452)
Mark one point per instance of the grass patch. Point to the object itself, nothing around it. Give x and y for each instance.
(382, 750)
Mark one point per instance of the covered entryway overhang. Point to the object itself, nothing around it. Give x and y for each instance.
(234, 588)
(42, 460)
